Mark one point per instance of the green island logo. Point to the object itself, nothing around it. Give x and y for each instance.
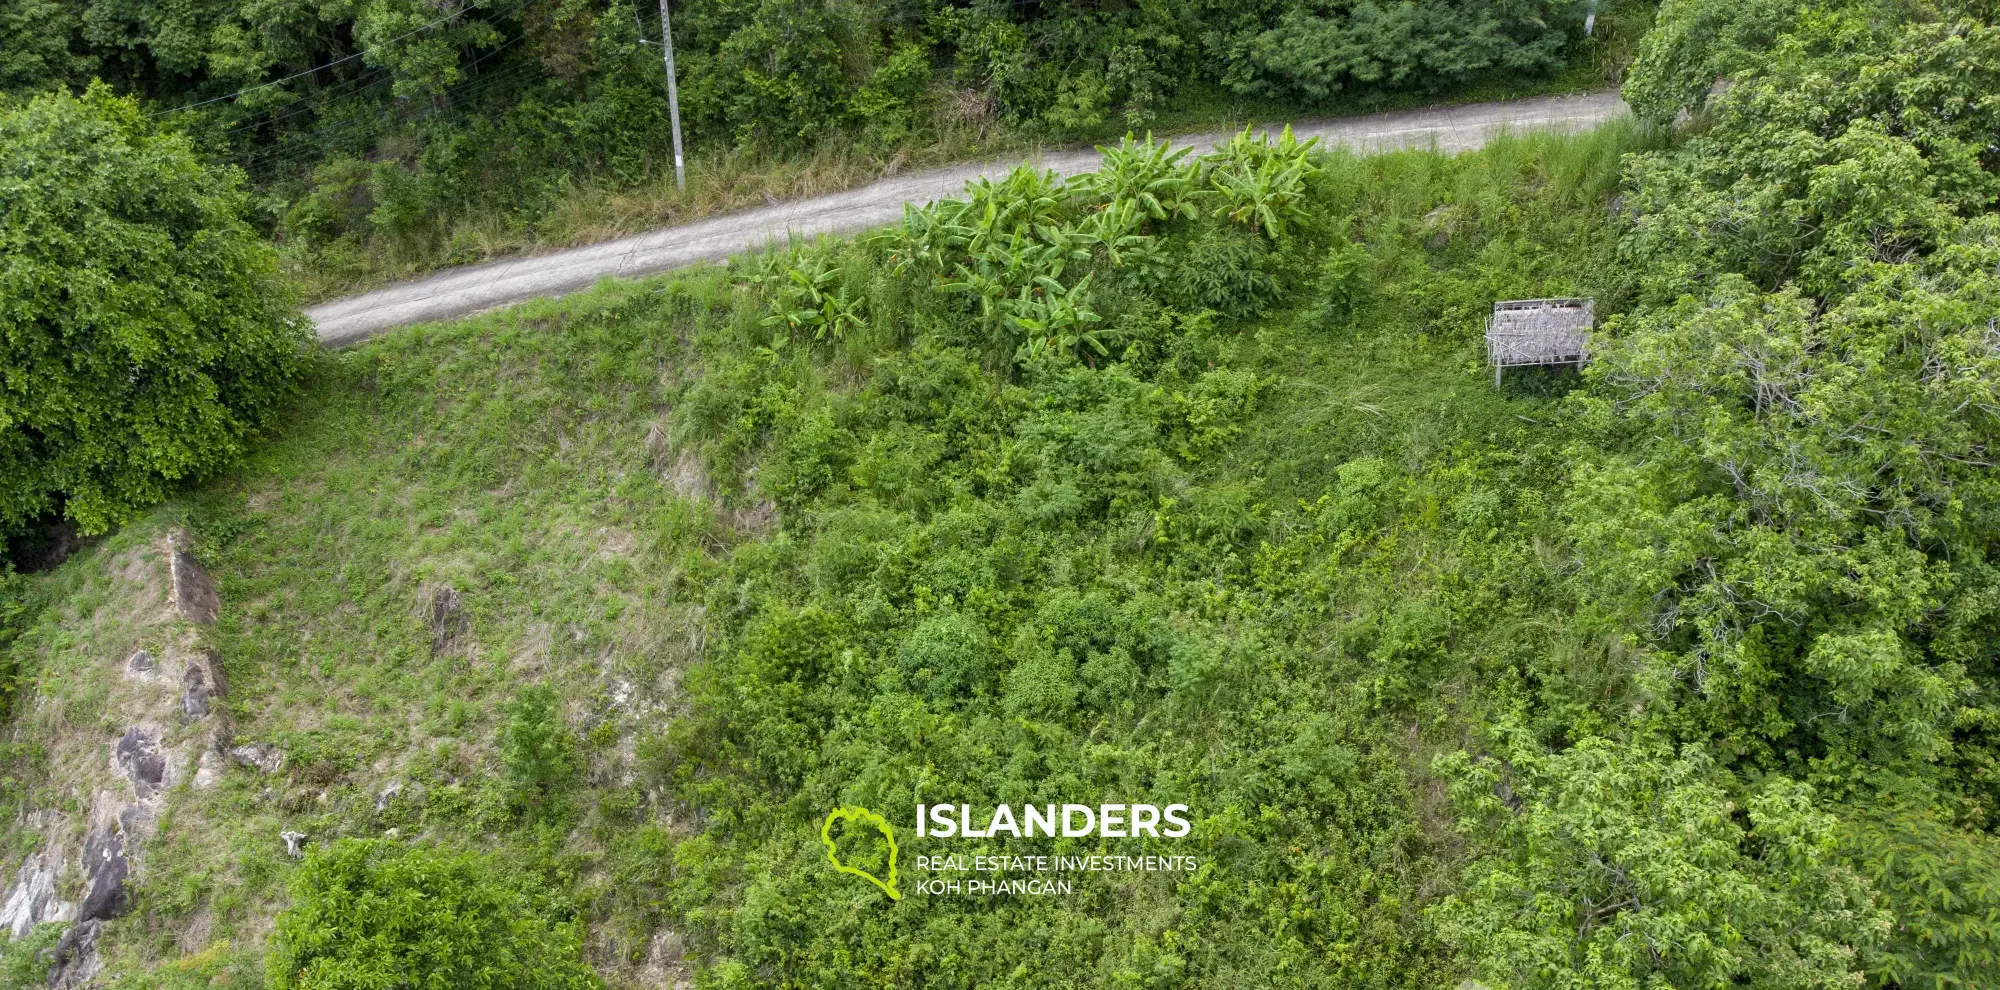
(864, 816)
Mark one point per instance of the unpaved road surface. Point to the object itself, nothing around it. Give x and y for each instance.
(461, 291)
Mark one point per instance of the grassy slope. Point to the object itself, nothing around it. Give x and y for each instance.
(533, 460)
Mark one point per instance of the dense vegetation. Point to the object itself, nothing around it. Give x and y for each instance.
(1181, 482)
(406, 131)
(144, 333)
(1733, 729)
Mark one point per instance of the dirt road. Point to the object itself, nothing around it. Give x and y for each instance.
(461, 291)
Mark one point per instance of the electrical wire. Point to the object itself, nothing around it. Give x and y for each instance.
(321, 68)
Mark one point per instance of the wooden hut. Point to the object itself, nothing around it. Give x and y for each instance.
(1538, 332)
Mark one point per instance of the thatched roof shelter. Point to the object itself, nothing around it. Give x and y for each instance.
(1538, 332)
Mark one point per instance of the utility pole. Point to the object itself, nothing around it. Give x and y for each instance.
(673, 95)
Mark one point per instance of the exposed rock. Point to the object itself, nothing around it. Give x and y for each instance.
(444, 612)
(208, 770)
(666, 962)
(141, 663)
(136, 824)
(76, 963)
(137, 755)
(659, 449)
(294, 843)
(259, 756)
(194, 594)
(202, 686)
(104, 862)
(32, 901)
(386, 795)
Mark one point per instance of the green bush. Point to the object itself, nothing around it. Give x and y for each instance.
(144, 335)
(1371, 45)
(536, 749)
(368, 914)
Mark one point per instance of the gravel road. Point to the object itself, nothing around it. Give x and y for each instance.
(477, 288)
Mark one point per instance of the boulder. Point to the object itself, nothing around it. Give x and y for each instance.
(208, 769)
(76, 962)
(259, 756)
(104, 862)
(294, 843)
(202, 686)
(137, 755)
(194, 594)
(141, 662)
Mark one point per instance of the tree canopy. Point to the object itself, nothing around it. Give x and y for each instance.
(144, 333)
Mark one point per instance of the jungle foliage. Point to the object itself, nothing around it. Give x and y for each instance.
(380, 124)
(369, 914)
(144, 332)
(1741, 705)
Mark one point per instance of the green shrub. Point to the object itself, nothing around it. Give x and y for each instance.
(536, 749)
(1343, 283)
(367, 914)
(947, 656)
(144, 335)
(1227, 271)
(24, 962)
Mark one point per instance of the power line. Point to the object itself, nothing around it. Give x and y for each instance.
(345, 58)
(320, 100)
(465, 99)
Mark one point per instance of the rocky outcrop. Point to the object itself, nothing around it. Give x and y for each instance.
(104, 860)
(76, 963)
(194, 596)
(32, 900)
(169, 696)
(202, 686)
(137, 756)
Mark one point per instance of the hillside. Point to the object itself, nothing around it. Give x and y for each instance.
(598, 479)
(736, 627)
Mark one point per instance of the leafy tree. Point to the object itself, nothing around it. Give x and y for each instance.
(1613, 866)
(367, 914)
(144, 335)
(1695, 42)
(1401, 45)
(1943, 884)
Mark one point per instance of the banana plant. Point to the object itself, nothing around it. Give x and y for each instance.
(1055, 320)
(926, 239)
(813, 301)
(1260, 184)
(1149, 175)
(1020, 202)
(986, 285)
(1116, 229)
(1055, 249)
